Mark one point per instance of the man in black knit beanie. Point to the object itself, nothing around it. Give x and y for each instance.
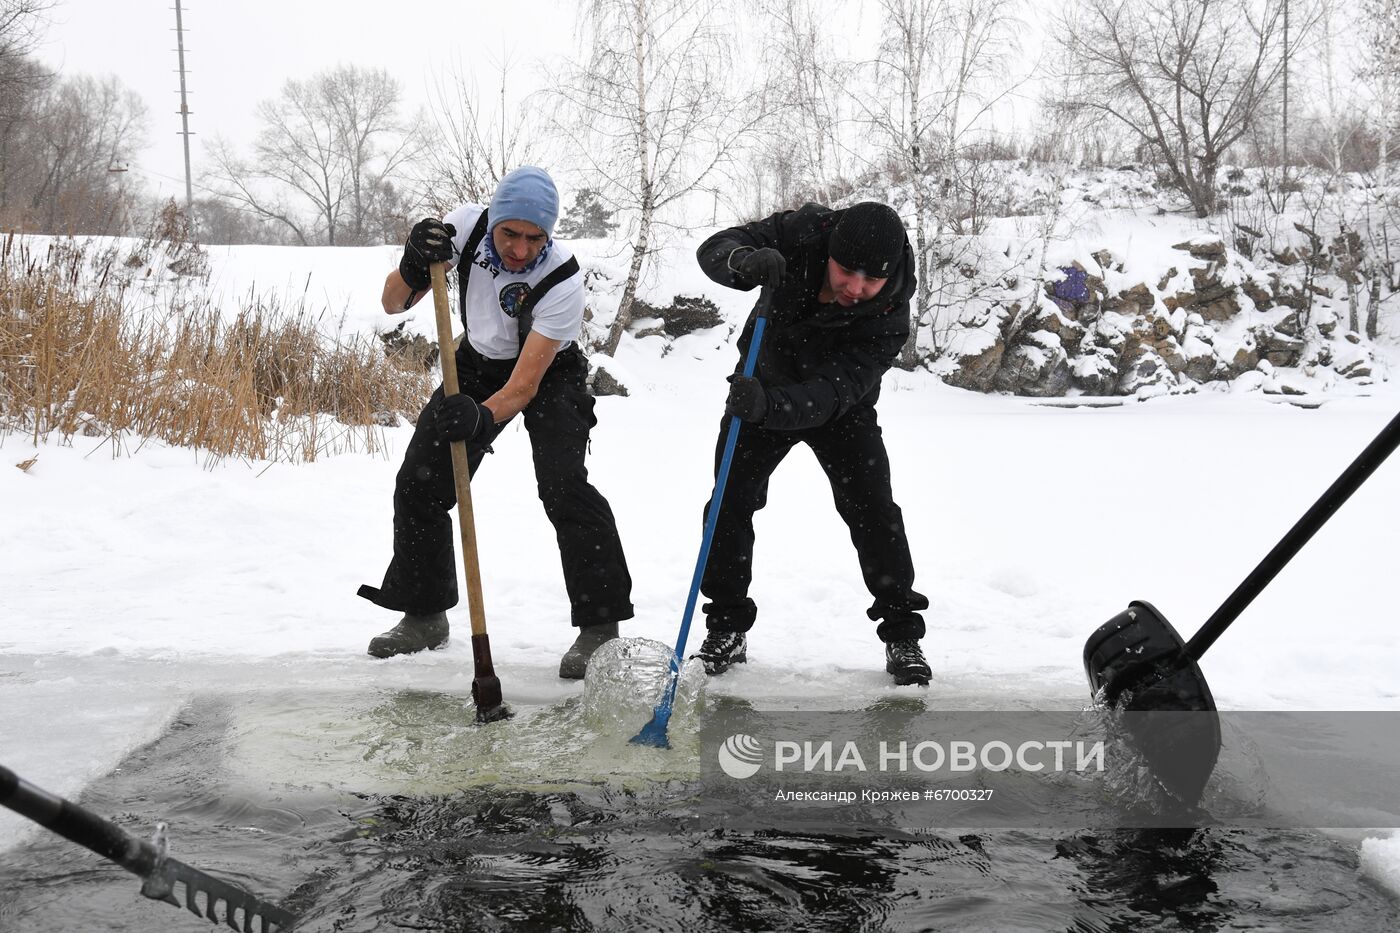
(842, 282)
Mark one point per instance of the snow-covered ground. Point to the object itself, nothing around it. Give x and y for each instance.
(133, 581)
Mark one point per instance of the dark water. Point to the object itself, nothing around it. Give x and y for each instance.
(395, 813)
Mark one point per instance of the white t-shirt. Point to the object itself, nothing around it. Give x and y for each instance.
(490, 291)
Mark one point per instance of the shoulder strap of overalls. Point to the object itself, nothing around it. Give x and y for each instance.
(464, 266)
(525, 317)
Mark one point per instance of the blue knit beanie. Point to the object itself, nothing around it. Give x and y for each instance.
(528, 193)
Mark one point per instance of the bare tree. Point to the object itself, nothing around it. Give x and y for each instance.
(236, 183)
(1336, 111)
(67, 153)
(943, 62)
(324, 159)
(1380, 69)
(22, 99)
(1186, 77)
(805, 78)
(219, 221)
(362, 104)
(1380, 52)
(21, 22)
(475, 143)
(651, 114)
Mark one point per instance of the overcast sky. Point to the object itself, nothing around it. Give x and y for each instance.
(238, 53)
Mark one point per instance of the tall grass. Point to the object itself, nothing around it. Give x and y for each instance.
(262, 383)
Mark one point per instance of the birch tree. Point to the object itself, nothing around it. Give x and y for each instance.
(806, 78)
(652, 115)
(944, 62)
(1380, 53)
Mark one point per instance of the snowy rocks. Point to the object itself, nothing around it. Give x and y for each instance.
(976, 360)
(602, 380)
(1131, 301)
(684, 315)
(411, 351)
(1036, 366)
(1095, 372)
(1277, 347)
(1211, 297)
(1216, 317)
(1355, 363)
(1210, 249)
(688, 314)
(1142, 369)
(643, 327)
(1068, 333)
(1262, 297)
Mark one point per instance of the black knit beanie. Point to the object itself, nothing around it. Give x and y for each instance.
(868, 238)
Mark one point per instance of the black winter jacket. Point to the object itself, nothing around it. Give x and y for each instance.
(817, 361)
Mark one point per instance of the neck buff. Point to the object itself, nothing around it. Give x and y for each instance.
(495, 259)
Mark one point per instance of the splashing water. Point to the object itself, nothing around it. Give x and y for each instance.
(627, 678)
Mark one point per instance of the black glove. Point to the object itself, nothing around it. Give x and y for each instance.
(759, 266)
(748, 400)
(428, 242)
(461, 418)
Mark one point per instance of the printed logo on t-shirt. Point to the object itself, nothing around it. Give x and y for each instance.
(513, 296)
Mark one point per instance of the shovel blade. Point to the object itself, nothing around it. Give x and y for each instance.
(1135, 664)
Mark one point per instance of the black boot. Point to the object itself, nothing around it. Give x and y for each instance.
(413, 633)
(722, 650)
(575, 661)
(904, 659)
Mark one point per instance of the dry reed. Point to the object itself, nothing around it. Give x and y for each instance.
(76, 358)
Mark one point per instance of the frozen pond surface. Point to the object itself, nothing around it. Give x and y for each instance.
(364, 797)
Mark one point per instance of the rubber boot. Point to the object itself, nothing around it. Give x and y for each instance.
(575, 661)
(412, 634)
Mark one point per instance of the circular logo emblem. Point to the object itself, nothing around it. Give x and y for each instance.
(740, 756)
(513, 296)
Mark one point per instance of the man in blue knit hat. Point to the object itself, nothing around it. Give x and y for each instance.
(520, 298)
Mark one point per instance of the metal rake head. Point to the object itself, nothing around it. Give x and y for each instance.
(177, 883)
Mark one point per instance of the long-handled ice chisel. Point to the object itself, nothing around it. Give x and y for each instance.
(204, 895)
(654, 732)
(486, 686)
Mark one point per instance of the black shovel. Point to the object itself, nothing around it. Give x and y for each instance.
(1138, 664)
(205, 896)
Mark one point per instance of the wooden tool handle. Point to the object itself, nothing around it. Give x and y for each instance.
(461, 469)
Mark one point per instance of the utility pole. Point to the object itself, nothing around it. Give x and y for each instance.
(1287, 62)
(184, 108)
